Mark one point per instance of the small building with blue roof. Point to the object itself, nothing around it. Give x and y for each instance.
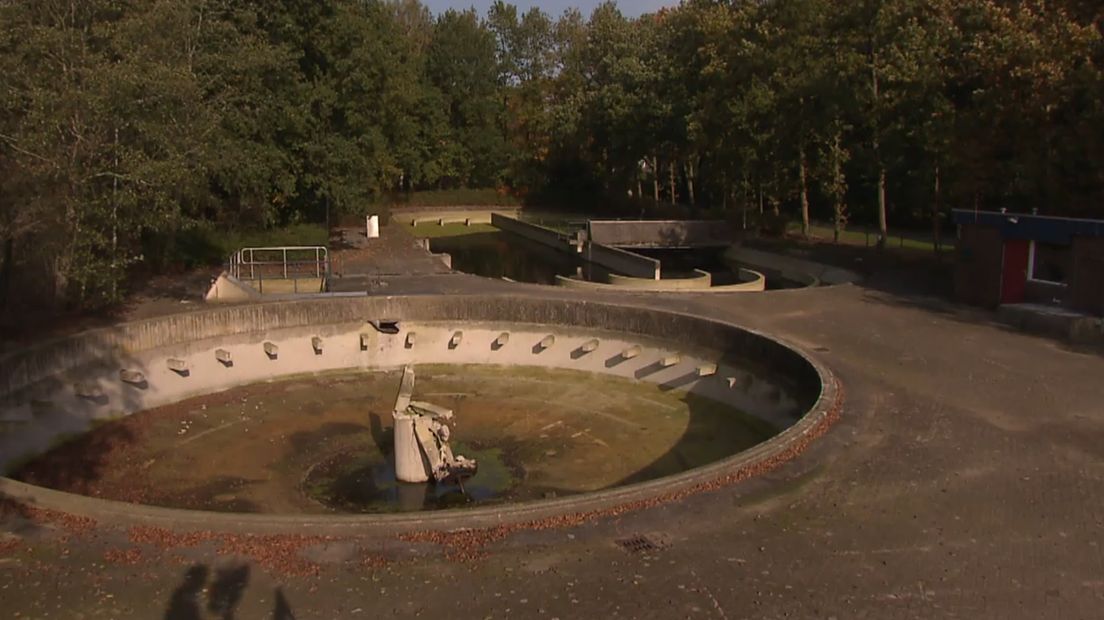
(1020, 258)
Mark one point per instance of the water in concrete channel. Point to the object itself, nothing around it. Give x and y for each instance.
(682, 263)
(502, 255)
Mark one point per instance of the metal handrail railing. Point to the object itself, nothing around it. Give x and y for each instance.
(284, 264)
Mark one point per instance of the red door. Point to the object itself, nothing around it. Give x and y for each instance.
(1014, 272)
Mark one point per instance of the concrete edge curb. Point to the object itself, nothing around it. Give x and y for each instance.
(757, 460)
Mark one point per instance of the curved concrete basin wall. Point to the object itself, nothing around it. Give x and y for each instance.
(753, 282)
(791, 268)
(62, 387)
(750, 280)
(701, 279)
(623, 261)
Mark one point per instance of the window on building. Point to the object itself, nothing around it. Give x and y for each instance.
(1051, 262)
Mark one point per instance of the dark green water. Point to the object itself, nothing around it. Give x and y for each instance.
(351, 482)
(502, 255)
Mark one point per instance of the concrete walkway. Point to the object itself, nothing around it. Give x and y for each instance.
(965, 480)
(359, 263)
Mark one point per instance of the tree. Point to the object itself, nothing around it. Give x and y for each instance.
(462, 65)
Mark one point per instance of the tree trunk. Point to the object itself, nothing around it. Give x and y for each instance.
(674, 190)
(690, 182)
(655, 176)
(7, 257)
(775, 201)
(937, 208)
(115, 221)
(746, 202)
(837, 189)
(803, 174)
(883, 228)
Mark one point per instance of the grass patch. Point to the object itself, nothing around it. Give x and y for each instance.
(298, 234)
(567, 223)
(864, 238)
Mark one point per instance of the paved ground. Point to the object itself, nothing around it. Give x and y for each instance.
(965, 480)
(358, 263)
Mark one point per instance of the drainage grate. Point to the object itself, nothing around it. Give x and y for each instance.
(639, 544)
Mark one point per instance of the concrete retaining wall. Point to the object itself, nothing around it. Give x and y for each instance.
(229, 290)
(751, 281)
(700, 280)
(613, 259)
(792, 268)
(754, 282)
(622, 261)
(532, 232)
(450, 215)
(1054, 322)
(661, 234)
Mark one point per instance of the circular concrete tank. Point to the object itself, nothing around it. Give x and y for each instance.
(60, 389)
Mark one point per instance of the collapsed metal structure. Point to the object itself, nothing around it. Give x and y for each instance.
(422, 450)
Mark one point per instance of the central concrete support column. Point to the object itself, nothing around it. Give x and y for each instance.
(408, 455)
(409, 466)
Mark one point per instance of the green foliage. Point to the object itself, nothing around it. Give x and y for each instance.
(130, 132)
(454, 197)
(206, 245)
(461, 64)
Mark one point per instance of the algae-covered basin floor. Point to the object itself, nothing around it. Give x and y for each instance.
(323, 444)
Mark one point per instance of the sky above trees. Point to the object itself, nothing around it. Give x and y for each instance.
(631, 8)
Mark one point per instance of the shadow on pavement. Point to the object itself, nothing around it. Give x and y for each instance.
(223, 593)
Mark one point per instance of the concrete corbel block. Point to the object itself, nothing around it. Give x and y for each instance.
(411, 339)
(707, 370)
(502, 340)
(456, 339)
(547, 343)
(132, 377)
(631, 352)
(178, 366)
(271, 350)
(590, 346)
(224, 357)
(316, 344)
(671, 360)
(365, 341)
